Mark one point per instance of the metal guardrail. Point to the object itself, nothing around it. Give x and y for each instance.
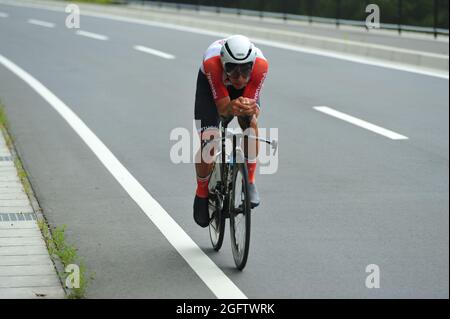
(295, 17)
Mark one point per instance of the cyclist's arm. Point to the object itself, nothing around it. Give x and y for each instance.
(224, 107)
(259, 73)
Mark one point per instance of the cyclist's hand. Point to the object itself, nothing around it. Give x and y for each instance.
(249, 106)
(237, 107)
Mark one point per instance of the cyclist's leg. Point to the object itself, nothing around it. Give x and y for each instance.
(207, 120)
(249, 126)
(251, 146)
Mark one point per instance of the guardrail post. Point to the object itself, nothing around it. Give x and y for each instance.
(310, 9)
(261, 9)
(338, 13)
(400, 16)
(238, 7)
(299, 7)
(435, 17)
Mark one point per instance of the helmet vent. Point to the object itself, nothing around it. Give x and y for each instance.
(236, 58)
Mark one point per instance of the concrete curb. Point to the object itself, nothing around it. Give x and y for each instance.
(392, 54)
(416, 58)
(40, 218)
(42, 274)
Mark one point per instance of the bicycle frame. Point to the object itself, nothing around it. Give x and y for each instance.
(223, 136)
(226, 165)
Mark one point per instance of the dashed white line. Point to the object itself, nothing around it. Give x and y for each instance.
(353, 120)
(154, 52)
(41, 23)
(3, 15)
(91, 35)
(203, 266)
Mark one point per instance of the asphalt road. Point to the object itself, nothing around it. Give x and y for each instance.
(343, 197)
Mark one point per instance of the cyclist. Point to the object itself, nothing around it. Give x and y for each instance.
(229, 83)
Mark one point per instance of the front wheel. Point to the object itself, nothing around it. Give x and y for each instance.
(240, 216)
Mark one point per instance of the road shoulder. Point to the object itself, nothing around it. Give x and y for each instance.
(26, 269)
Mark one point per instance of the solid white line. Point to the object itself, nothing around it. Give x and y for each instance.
(205, 268)
(92, 35)
(368, 126)
(41, 23)
(325, 53)
(3, 15)
(154, 52)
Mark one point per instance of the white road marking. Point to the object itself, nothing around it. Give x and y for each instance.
(353, 120)
(204, 267)
(92, 35)
(3, 15)
(154, 52)
(41, 23)
(325, 53)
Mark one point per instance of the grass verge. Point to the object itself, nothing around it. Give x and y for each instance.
(67, 254)
(55, 238)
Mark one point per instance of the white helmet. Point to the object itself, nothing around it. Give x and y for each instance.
(237, 49)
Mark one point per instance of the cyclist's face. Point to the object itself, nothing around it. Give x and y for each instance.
(238, 74)
(239, 82)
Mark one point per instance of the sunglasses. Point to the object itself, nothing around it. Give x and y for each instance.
(235, 70)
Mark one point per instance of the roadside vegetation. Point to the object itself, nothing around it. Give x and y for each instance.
(67, 254)
(408, 12)
(55, 238)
